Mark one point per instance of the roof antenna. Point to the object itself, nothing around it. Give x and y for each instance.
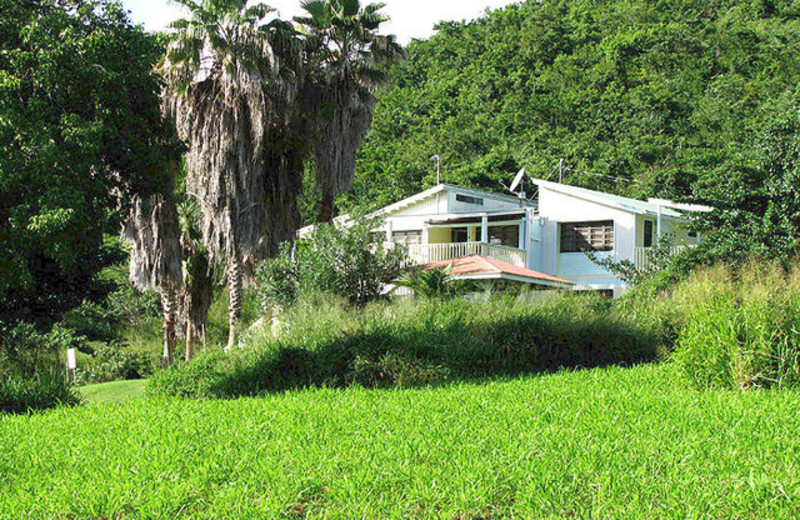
(438, 168)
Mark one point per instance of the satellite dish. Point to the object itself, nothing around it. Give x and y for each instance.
(517, 180)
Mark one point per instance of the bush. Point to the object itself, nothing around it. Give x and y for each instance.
(744, 330)
(47, 390)
(417, 342)
(25, 351)
(349, 262)
(111, 363)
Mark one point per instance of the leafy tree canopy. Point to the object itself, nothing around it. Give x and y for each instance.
(659, 96)
(79, 121)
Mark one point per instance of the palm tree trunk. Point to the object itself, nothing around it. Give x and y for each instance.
(169, 305)
(235, 306)
(326, 207)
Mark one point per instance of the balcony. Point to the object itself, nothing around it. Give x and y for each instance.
(426, 253)
(642, 260)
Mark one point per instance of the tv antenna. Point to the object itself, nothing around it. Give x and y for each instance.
(438, 168)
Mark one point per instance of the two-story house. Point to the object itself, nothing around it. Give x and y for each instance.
(540, 241)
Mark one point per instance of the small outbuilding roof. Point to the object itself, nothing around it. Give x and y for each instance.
(478, 267)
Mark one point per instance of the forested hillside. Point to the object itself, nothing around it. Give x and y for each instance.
(656, 94)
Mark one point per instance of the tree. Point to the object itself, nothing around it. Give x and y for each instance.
(233, 89)
(79, 119)
(757, 209)
(346, 55)
(199, 279)
(349, 261)
(153, 232)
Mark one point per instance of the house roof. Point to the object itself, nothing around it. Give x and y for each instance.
(478, 267)
(615, 201)
(450, 187)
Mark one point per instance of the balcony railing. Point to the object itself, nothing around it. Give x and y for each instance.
(426, 253)
(641, 256)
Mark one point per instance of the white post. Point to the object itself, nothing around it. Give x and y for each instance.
(388, 231)
(485, 229)
(425, 235)
(658, 227)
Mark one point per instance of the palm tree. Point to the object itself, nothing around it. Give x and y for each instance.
(152, 230)
(232, 89)
(345, 56)
(436, 283)
(199, 280)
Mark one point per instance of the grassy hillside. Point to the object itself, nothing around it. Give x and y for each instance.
(113, 392)
(663, 97)
(603, 443)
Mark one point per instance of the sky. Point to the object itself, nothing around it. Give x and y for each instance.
(410, 18)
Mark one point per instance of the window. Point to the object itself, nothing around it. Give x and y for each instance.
(648, 233)
(504, 236)
(407, 237)
(587, 236)
(469, 200)
(459, 235)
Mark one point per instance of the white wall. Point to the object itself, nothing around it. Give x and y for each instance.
(557, 208)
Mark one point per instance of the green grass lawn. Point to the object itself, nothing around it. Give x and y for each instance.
(605, 443)
(113, 392)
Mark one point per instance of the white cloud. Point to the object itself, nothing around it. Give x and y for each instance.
(410, 18)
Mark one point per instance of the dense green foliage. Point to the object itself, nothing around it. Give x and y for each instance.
(743, 328)
(79, 118)
(662, 96)
(48, 389)
(417, 342)
(347, 261)
(608, 443)
(435, 282)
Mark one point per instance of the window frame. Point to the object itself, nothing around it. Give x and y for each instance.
(606, 235)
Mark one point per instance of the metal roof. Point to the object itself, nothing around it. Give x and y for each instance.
(639, 207)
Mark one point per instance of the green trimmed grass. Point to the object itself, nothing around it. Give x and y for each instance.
(603, 443)
(113, 392)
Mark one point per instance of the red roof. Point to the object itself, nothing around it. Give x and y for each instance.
(476, 265)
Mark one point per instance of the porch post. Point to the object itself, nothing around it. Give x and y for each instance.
(425, 234)
(658, 227)
(485, 229)
(388, 231)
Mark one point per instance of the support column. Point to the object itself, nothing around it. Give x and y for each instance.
(658, 227)
(388, 231)
(485, 229)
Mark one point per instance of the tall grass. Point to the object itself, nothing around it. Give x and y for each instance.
(48, 389)
(742, 327)
(325, 343)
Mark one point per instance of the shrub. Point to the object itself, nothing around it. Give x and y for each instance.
(25, 351)
(417, 342)
(115, 362)
(48, 389)
(348, 261)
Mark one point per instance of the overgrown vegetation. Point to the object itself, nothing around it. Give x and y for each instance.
(47, 389)
(319, 343)
(343, 260)
(743, 327)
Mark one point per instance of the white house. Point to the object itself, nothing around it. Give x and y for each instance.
(539, 241)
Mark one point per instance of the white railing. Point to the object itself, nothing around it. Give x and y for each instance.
(426, 253)
(641, 256)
